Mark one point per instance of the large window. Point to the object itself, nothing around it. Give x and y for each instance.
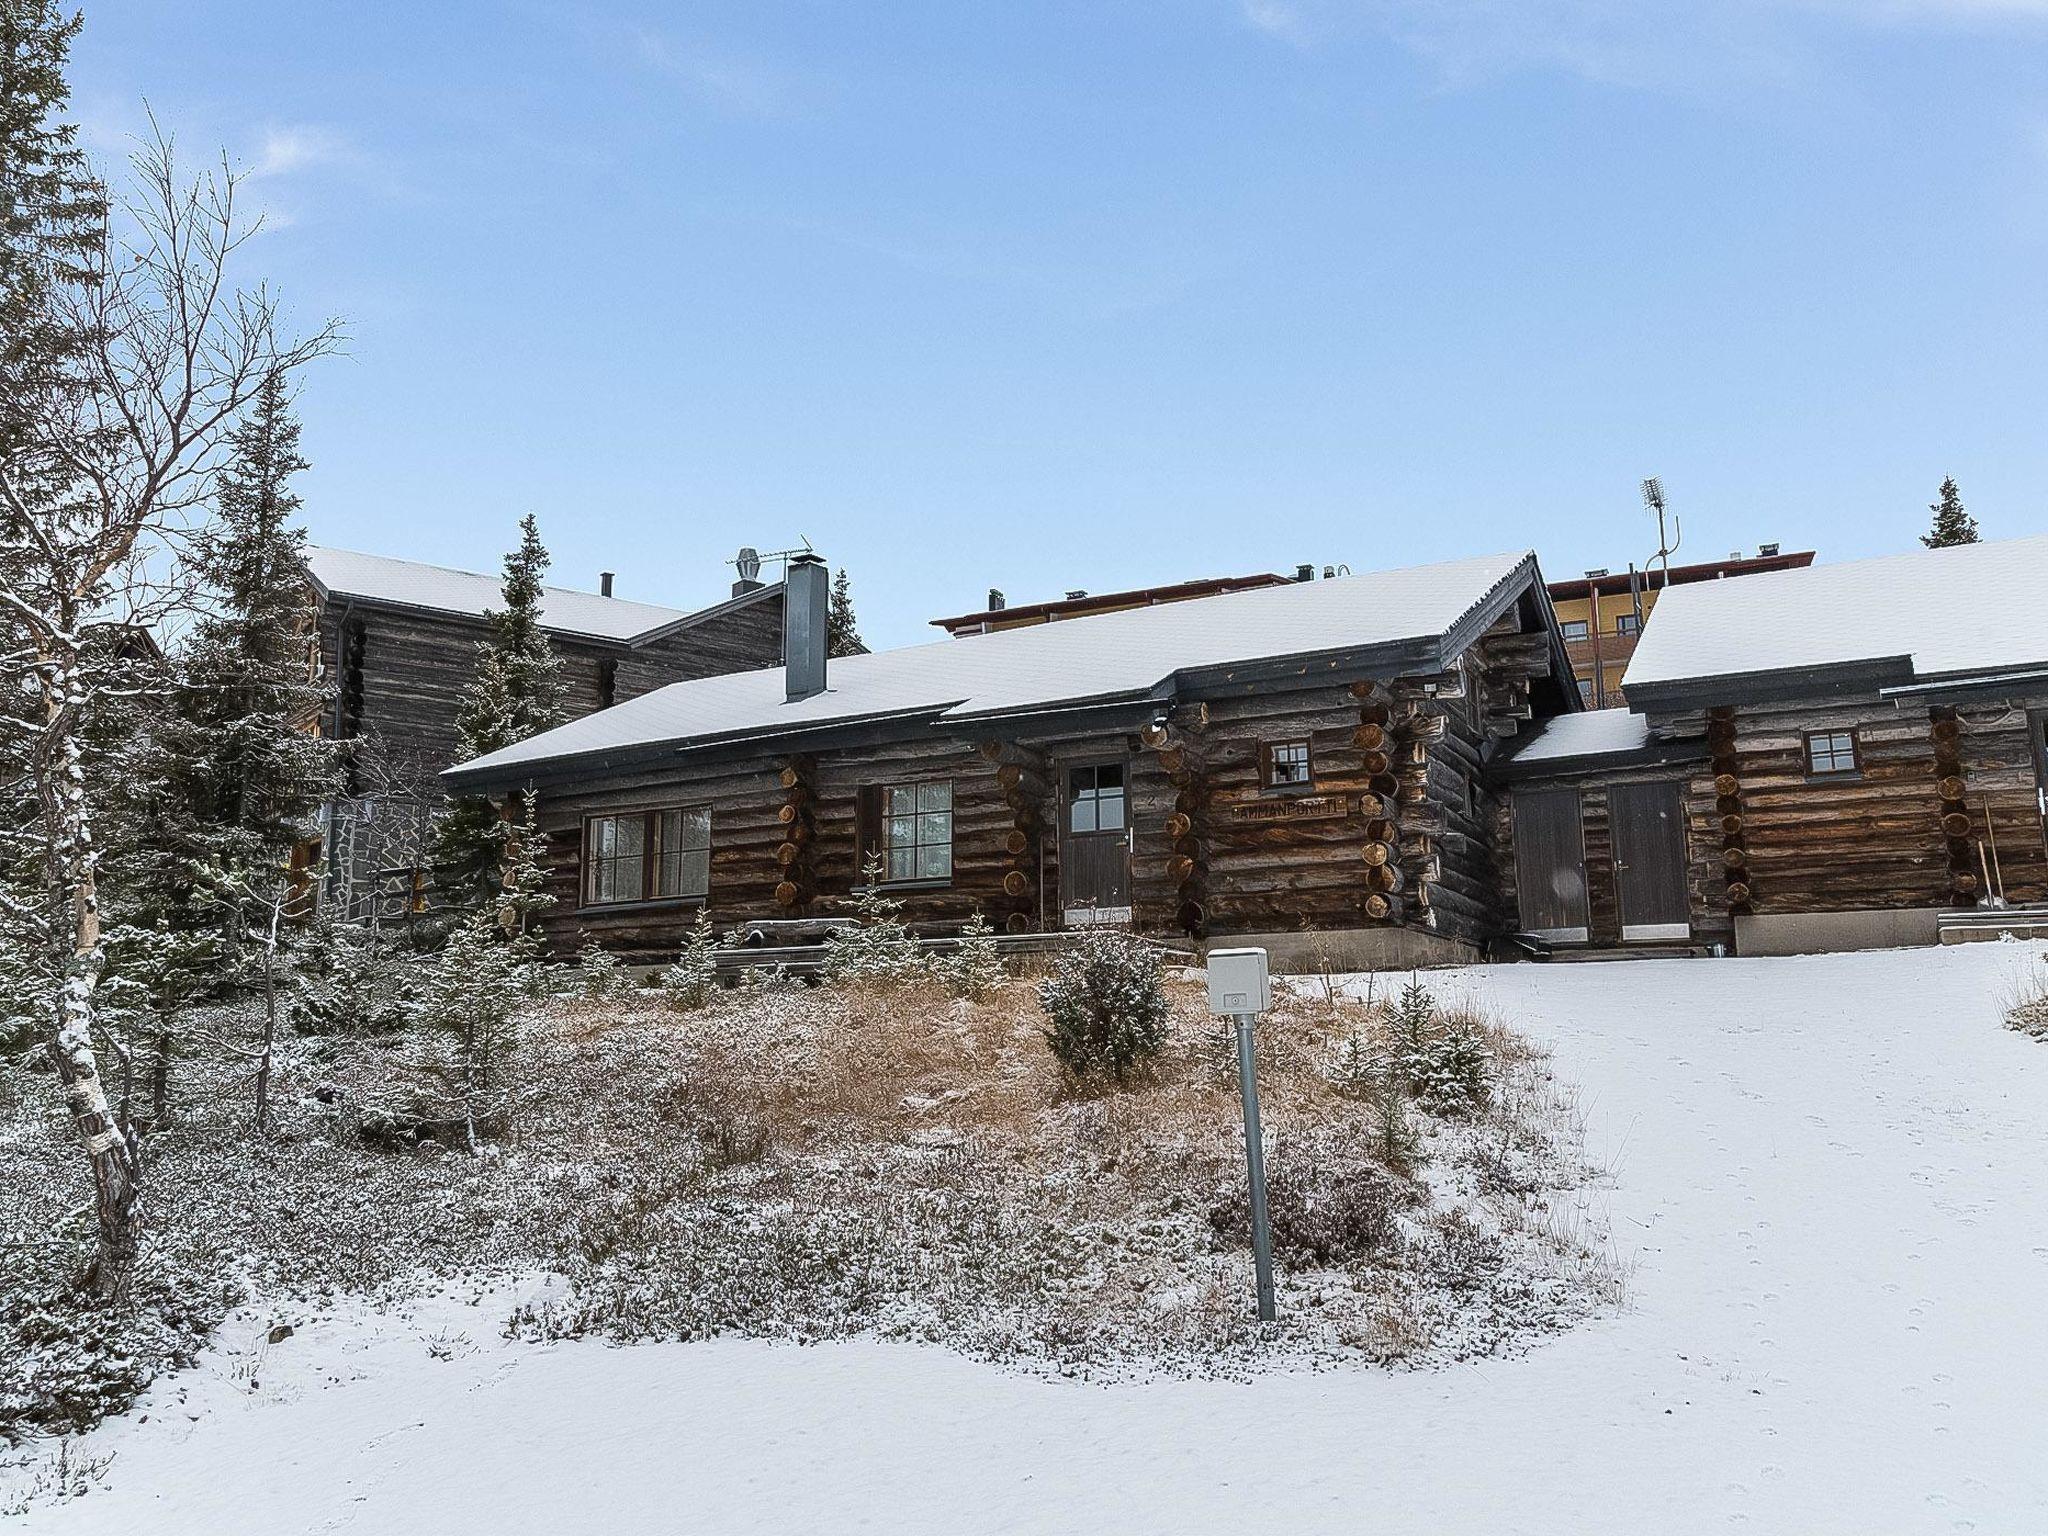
(658, 855)
(917, 831)
(1286, 765)
(1830, 752)
(1095, 798)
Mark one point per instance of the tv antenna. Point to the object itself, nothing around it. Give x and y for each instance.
(1667, 540)
(749, 560)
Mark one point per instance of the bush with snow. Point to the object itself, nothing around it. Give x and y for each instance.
(599, 974)
(975, 969)
(877, 948)
(693, 980)
(1105, 1010)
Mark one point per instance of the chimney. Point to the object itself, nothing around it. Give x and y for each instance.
(604, 583)
(996, 601)
(805, 597)
(1304, 573)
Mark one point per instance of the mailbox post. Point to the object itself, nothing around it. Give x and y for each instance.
(1240, 990)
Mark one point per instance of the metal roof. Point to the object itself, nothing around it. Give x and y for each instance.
(341, 573)
(1126, 657)
(1931, 613)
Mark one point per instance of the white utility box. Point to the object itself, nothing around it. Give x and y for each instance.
(1238, 982)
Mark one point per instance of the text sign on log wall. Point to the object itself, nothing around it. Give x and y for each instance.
(1298, 808)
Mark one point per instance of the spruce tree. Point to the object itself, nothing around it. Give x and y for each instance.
(516, 692)
(1952, 525)
(842, 633)
(243, 747)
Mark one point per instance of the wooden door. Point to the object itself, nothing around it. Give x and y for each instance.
(1649, 860)
(1550, 864)
(1095, 851)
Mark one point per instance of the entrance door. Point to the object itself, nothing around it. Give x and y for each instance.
(1550, 864)
(1095, 855)
(1649, 860)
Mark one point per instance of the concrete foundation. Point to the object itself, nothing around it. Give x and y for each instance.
(1351, 949)
(1823, 933)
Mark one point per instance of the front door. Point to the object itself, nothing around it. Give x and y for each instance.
(1550, 864)
(1649, 860)
(1095, 850)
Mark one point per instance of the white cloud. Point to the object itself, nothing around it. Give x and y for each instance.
(288, 150)
(727, 83)
(1630, 42)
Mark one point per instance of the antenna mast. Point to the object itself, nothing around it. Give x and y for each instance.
(1667, 541)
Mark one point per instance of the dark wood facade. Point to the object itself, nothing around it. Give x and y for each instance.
(1917, 802)
(1388, 827)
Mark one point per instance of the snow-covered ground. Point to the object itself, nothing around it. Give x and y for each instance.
(1830, 1177)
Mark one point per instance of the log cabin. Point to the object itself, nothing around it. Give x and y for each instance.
(1842, 756)
(1305, 765)
(399, 641)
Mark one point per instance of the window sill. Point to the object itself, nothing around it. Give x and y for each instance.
(1836, 776)
(909, 885)
(1286, 790)
(658, 904)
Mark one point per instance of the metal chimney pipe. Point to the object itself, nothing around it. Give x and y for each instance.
(604, 583)
(806, 598)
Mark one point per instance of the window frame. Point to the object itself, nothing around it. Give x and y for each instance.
(1628, 623)
(652, 857)
(881, 845)
(1268, 750)
(1583, 626)
(1855, 768)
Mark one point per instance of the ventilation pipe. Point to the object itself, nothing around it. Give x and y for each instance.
(806, 596)
(604, 583)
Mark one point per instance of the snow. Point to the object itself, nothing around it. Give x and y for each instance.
(1105, 657)
(1590, 733)
(1826, 1173)
(378, 578)
(1969, 608)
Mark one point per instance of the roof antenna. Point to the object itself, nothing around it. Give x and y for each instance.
(1667, 542)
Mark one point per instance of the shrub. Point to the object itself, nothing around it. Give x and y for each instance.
(976, 968)
(877, 948)
(600, 973)
(1442, 1057)
(1320, 1218)
(1105, 1011)
(692, 980)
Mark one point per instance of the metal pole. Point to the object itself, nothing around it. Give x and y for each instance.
(1255, 1162)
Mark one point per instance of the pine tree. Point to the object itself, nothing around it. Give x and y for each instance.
(516, 692)
(842, 633)
(692, 980)
(1952, 525)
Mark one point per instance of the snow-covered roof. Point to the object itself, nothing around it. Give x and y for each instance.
(410, 584)
(1106, 658)
(1937, 612)
(1593, 733)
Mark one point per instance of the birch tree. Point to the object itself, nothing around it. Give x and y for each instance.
(111, 437)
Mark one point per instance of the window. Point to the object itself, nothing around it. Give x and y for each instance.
(1585, 690)
(917, 831)
(607, 681)
(1095, 798)
(1830, 752)
(1575, 629)
(1627, 623)
(1287, 765)
(662, 855)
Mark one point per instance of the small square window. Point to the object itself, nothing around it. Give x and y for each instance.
(1627, 623)
(1830, 752)
(1287, 765)
(1575, 629)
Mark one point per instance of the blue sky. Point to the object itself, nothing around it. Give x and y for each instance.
(1084, 295)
